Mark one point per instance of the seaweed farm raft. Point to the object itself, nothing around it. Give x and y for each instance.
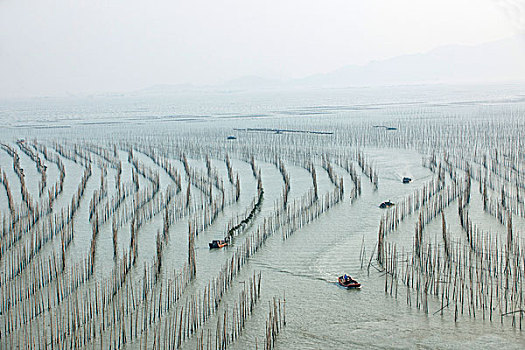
(106, 224)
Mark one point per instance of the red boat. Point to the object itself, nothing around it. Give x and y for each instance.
(348, 282)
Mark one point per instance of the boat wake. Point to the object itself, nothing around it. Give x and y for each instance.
(295, 274)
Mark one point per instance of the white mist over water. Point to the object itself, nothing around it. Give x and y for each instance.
(59, 47)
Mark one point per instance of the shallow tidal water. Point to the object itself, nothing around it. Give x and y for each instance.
(303, 268)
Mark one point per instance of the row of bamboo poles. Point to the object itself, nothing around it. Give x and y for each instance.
(479, 275)
(231, 322)
(69, 309)
(40, 167)
(89, 264)
(367, 169)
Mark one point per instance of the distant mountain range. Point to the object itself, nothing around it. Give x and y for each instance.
(498, 61)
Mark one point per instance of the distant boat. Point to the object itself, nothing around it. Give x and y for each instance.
(389, 128)
(231, 137)
(348, 282)
(218, 243)
(407, 180)
(387, 204)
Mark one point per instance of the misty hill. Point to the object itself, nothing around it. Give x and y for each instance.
(251, 81)
(165, 89)
(497, 61)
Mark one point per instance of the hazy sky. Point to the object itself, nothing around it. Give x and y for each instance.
(50, 47)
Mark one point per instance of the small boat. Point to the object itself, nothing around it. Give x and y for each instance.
(348, 282)
(218, 243)
(388, 128)
(231, 137)
(387, 204)
(407, 180)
